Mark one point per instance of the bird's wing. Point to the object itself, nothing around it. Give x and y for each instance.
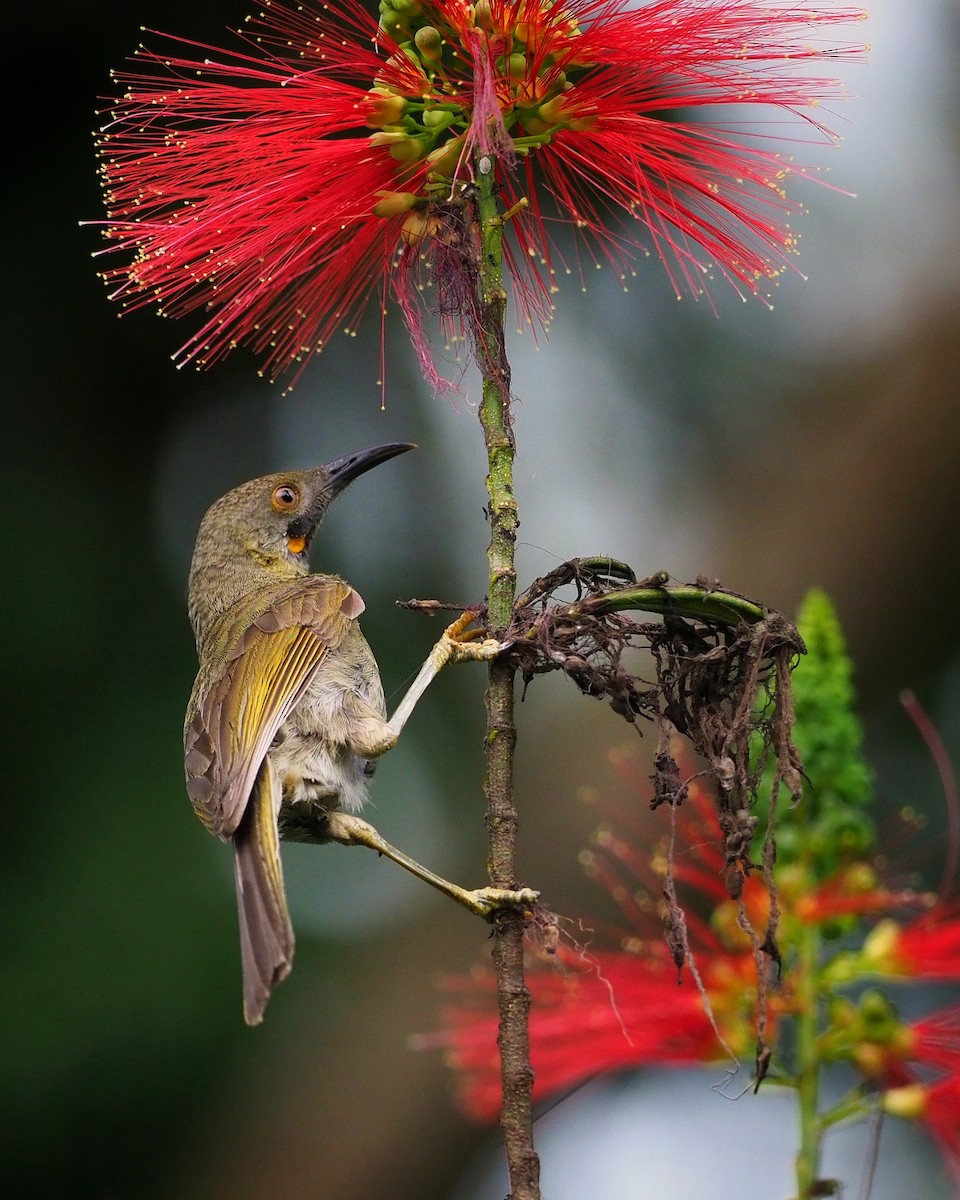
(262, 680)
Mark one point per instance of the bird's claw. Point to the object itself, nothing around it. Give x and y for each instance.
(458, 644)
(489, 900)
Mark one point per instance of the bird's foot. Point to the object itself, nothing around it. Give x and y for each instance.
(459, 643)
(351, 830)
(488, 901)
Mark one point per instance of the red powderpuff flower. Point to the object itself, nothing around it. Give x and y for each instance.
(278, 187)
(593, 1014)
(609, 1010)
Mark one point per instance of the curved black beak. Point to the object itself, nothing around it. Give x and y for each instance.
(328, 482)
(343, 471)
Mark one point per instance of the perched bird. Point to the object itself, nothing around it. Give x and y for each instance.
(287, 714)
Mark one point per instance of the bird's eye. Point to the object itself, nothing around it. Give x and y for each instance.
(285, 498)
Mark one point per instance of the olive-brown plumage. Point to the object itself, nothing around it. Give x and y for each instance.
(287, 710)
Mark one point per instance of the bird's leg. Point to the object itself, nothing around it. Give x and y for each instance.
(456, 645)
(349, 830)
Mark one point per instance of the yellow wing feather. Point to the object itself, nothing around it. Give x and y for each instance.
(263, 678)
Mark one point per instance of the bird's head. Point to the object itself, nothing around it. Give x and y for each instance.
(266, 525)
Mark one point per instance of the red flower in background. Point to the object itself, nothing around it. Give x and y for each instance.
(925, 948)
(938, 1106)
(594, 1012)
(935, 1039)
(591, 1014)
(599, 1011)
(941, 1115)
(279, 187)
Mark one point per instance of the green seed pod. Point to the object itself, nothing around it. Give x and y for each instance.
(843, 1012)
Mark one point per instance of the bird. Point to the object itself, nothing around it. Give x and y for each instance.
(287, 718)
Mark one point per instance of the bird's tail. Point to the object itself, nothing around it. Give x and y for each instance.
(266, 935)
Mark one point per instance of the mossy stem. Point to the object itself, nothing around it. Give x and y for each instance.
(516, 1119)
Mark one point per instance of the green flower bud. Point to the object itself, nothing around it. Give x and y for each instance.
(843, 1012)
(562, 110)
(880, 947)
(401, 147)
(533, 124)
(443, 161)
(871, 1060)
(408, 150)
(876, 1009)
(908, 1102)
(429, 42)
(437, 119)
(845, 967)
(393, 204)
(385, 137)
(516, 66)
(383, 109)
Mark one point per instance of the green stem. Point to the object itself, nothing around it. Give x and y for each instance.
(516, 1119)
(851, 1108)
(808, 1061)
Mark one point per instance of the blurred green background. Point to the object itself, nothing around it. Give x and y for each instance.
(814, 444)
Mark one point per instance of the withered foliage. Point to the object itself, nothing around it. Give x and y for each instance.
(720, 663)
(720, 676)
(719, 667)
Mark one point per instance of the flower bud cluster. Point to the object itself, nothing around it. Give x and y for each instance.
(868, 1033)
(427, 100)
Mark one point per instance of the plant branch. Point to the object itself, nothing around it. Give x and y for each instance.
(808, 1062)
(513, 998)
(724, 608)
